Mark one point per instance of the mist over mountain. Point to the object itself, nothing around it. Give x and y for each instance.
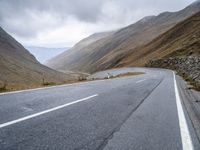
(42, 54)
(109, 50)
(63, 23)
(71, 58)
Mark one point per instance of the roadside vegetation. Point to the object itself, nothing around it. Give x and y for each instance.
(3, 87)
(195, 84)
(128, 74)
(8, 87)
(110, 76)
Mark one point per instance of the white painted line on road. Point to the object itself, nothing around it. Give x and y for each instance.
(185, 135)
(141, 80)
(44, 112)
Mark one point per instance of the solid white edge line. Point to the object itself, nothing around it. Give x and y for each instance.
(141, 80)
(44, 112)
(185, 135)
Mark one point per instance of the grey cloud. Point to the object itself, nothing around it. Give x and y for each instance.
(83, 9)
(24, 18)
(16, 16)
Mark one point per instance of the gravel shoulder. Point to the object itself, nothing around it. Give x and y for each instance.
(191, 101)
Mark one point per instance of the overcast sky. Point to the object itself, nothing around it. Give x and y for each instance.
(62, 23)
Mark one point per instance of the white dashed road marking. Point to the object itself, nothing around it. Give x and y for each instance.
(141, 80)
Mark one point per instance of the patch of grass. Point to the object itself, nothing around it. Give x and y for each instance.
(82, 78)
(23, 86)
(128, 74)
(195, 84)
(3, 88)
(120, 75)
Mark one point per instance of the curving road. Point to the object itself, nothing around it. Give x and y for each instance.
(136, 112)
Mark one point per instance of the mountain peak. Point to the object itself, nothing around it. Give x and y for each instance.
(108, 52)
(147, 18)
(195, 3)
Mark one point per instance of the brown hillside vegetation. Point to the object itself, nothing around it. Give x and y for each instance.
(182, 40)
(112, 50)
(69, 60)
(178, 49)
(19, 69)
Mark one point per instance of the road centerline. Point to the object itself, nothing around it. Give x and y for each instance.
(185, 134)
(45, 111)
(141, 81)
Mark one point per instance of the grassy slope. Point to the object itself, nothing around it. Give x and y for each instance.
(19, 69)
(177, 49)
(70, 60)
(111, 51)
(182, 40)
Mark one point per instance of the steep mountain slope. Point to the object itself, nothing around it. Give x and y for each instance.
(109, 51)
(20, 69)
(177, 49)
(70, 59)
(183, 40)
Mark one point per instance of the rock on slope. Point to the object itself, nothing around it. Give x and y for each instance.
(110, 50)
(182, 39)
(20, 69)
(177, 49)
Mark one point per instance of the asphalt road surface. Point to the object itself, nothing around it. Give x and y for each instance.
(135, 112)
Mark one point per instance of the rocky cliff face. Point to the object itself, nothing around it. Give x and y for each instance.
(187, 67)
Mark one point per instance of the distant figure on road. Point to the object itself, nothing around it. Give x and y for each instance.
(109, 75)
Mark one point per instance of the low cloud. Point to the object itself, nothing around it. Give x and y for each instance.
(64, 22)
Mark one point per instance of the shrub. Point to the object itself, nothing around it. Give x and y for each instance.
(3, 87)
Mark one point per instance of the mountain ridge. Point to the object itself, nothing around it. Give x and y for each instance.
(80, 50)
(20, 69)
(106, 52)
(184, 37)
